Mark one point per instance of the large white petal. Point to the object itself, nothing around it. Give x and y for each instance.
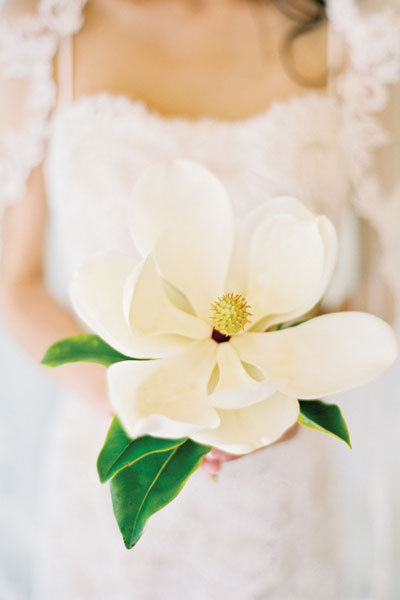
(182, 212)
(150, 310)
(328, 354)
(282, 205)
(285, 265)
(235, 388)
(283, 261)
(311, 281)
(165, 398)
(247, 429)
(97, 293)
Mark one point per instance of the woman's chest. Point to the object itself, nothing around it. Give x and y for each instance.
(225, 61)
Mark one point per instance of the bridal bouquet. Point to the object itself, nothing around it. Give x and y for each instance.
(208, 340)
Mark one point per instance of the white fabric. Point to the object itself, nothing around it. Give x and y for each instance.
(251, 535)
(368, 87)
(27, 46)
(266, 530)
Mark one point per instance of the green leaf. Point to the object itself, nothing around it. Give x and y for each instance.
(83, 348)
(150, 484)
(120, 451)
(298, 323)
(324, 417)
(282, 325)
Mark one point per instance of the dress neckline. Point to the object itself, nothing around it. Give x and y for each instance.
(124, 102)
(123, 105)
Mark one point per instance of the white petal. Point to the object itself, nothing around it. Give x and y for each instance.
(285, 264)
(325, 355)
(283, 261)
(235, 388)
(246, 429)
(165, 398)
(182, 212)
(152, 312)
(97, 293)
(306, 278)
(282, 205)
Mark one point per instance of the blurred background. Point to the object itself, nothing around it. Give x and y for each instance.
(367, 478)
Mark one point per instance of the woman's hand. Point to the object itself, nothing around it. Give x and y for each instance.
(214, 460)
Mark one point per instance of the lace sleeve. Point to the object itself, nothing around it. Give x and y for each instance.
(29, 38)
(367, 81)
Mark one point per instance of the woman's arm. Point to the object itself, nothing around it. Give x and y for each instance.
(30, 312)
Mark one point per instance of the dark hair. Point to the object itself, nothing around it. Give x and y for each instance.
(306, 15)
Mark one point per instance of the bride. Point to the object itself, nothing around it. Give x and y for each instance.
(275, 97)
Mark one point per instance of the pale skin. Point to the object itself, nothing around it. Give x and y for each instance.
(189, 58)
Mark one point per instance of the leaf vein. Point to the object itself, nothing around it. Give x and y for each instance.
(156, 451)
(150, 488)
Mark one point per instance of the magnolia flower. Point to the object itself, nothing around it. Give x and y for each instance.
(203, 302)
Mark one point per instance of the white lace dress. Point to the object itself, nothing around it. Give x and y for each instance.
(267, 528)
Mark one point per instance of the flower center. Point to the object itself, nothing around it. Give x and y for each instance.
(230, 315)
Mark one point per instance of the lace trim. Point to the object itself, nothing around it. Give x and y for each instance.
(27, 48)
(255, 143)
(62, 16)
(374, 65)
(25, 56)
(364, 88)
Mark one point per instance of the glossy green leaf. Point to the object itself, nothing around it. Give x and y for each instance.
(324, 417)
(120, 451)
(83, 348)
(150, 484)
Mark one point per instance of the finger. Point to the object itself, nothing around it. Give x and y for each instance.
(211, 466)
(221, 455)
